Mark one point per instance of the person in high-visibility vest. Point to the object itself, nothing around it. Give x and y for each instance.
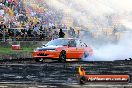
(81, 71)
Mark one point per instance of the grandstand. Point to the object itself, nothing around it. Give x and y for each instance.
(35, 20)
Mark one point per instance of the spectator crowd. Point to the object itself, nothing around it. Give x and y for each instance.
(16, 25)
(35, 32)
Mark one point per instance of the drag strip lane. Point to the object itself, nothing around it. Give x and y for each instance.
(56, 73)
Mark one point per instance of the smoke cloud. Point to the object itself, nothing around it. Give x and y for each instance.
(120, 51)
(93, 11)
(99, 14)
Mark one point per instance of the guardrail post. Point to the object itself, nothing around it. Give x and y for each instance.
(4, 34)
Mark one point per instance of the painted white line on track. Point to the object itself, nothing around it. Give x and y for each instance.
(16, 82)
(3, 86)
(108, 85)
(52, 86)
(42, 86)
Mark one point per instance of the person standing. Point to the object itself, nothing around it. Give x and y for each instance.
(61, 34)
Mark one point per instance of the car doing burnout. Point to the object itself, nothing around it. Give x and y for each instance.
(62, 49)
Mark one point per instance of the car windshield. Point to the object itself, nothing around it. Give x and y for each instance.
(58, 42)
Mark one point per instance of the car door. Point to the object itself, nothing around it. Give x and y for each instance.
(72, 49)
(80, 49)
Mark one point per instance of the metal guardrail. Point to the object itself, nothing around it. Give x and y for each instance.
(38, 37)
(24, 39)
(17, 37)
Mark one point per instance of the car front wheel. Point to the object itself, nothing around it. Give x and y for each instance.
(62, 57)
(39, 59)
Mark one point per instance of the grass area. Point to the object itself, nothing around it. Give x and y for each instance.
(8, 50)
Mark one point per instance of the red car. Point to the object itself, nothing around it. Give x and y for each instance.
(62, 49)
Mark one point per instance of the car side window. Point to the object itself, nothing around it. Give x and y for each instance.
(80, 44)
(83, 45)
(72, 43)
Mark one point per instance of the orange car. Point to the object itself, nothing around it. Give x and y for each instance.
(62, 49)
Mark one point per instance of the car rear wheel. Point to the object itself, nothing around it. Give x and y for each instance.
(62, 57)
(85, 55)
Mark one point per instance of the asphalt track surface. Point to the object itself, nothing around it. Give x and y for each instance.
(26, 73)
